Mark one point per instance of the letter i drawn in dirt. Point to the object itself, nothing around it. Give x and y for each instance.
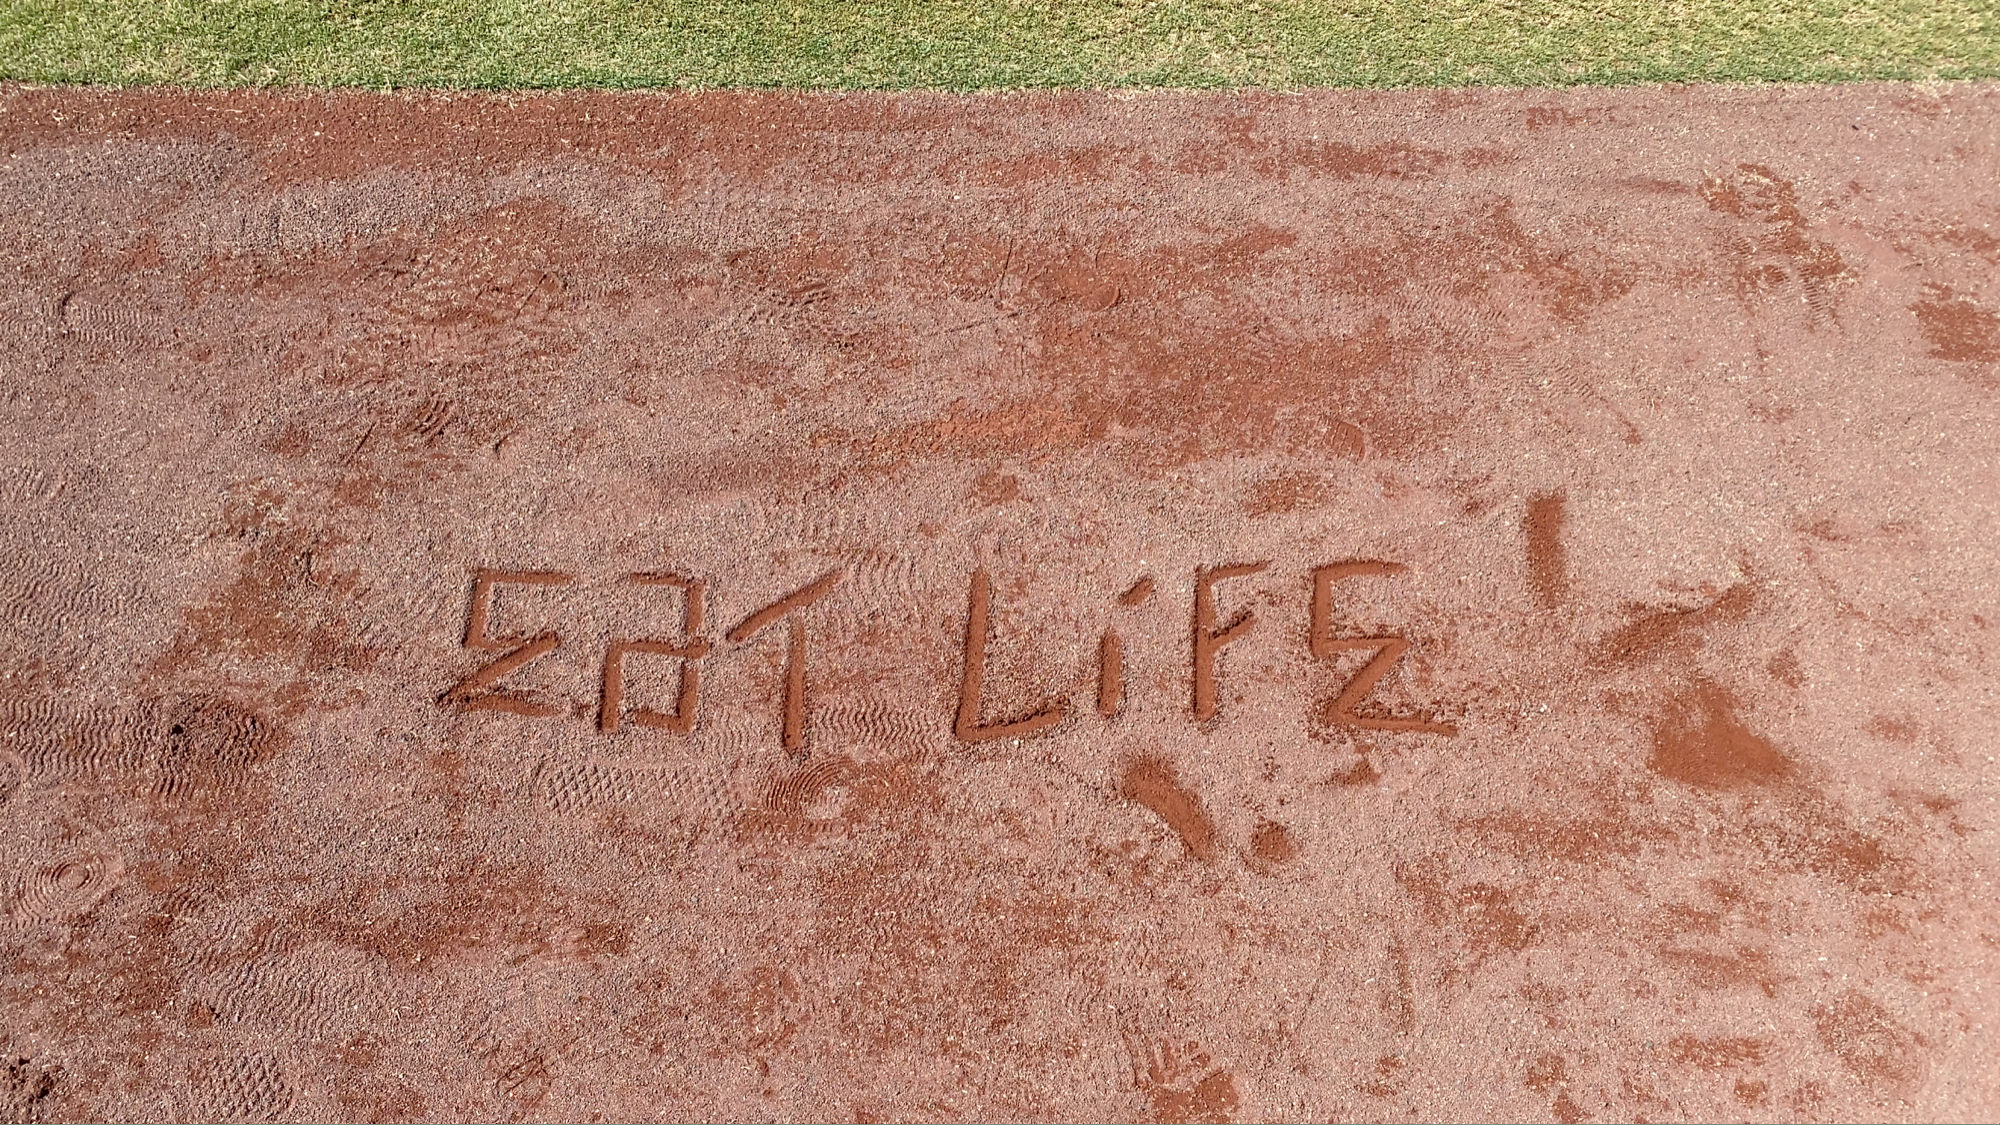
(1111, 653)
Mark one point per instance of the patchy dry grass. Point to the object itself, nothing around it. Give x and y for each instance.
(987, 44)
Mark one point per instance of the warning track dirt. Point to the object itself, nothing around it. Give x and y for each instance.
(1174, 607)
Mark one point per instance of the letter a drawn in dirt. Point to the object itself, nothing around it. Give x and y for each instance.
(690, 648)
(967, 727)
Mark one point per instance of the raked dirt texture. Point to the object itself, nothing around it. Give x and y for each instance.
(1428, 605)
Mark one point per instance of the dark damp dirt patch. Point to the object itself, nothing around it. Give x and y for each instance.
(1287, 492)
(1273, 845)
(1487, 919)
(1957, 328)
(1700, 741)
(1720, 970)
(1868, 1040)
(1674, 633)
(1780, 254)
(1362, 772)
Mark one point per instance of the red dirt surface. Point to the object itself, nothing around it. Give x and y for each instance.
(1168, 607)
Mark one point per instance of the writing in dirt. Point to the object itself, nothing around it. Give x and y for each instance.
(1405, 605)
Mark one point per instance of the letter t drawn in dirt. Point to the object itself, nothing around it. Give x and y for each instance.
(795, 649)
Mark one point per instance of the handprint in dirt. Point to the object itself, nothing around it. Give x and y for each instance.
(1183, 1085)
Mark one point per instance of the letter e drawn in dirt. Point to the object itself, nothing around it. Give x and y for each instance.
(795, 650)
(690, 648)
(476, 692)
(1340, 710)
(1209, 640)
(967, 728)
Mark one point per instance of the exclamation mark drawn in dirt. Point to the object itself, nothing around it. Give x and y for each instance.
(1152, 783)
(1548, 572)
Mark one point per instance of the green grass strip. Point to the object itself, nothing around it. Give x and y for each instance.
(988, 44)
